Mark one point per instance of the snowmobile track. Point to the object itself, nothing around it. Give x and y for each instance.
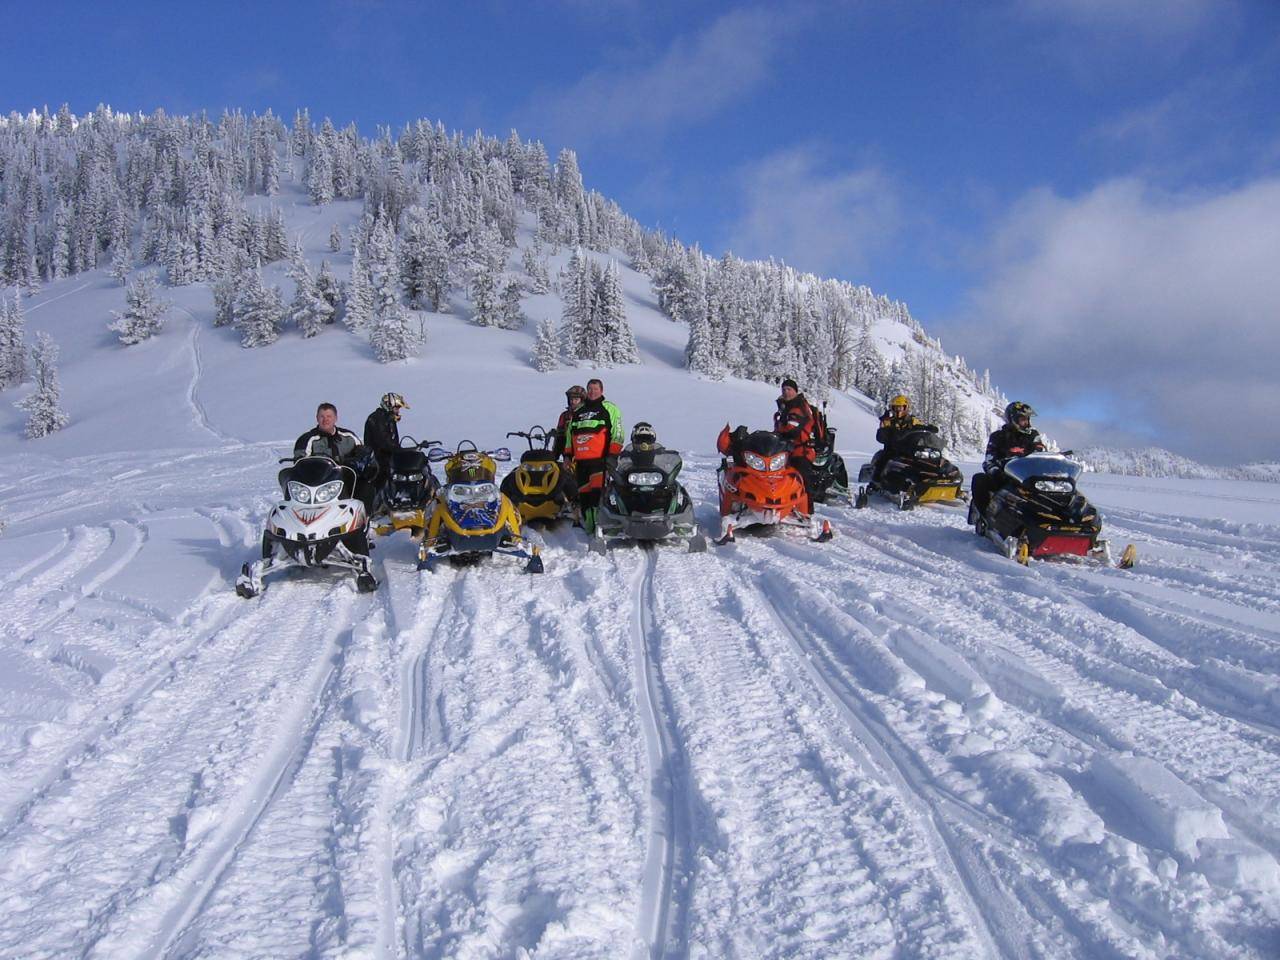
(986, 901)
(664, 903)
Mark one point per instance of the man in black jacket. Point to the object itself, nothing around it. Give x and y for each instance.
(382, 431)
(342, 446)
(1015, 439)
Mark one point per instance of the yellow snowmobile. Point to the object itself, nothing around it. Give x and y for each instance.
(472, 517)
(540, 487)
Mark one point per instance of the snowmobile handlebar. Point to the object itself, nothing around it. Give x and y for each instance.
(535, 434)
(416, 445)
(437, 454)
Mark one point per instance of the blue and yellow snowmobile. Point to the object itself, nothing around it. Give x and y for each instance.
(472, 517)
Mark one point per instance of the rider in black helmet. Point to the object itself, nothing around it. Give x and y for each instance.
(1016, 438)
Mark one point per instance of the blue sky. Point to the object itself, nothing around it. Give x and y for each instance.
(1083, 195)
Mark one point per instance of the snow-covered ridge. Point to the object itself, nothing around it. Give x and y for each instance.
(1157, 462)
(478, 226)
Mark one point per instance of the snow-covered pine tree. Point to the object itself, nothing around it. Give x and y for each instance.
(335, 238)
(44, 406)
(535, 266)
(144, 312)
(578, 335)
(617, 343)
(308, 311)
(259, 311)
(330, 291)
(546, 352)
(395, 334)
(13, 344)
(359, 308)
(121, 262)
(510, 316)
(226, 291)
(490, 256)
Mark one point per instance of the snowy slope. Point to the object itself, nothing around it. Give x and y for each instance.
(898, 744)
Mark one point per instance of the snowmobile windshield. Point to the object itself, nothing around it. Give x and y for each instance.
(922, 443)
(650, 468)
(408, 461)
(766, 443)
(315, 471)
(1035, 465)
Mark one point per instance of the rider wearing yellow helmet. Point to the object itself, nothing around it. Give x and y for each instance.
(894, 422)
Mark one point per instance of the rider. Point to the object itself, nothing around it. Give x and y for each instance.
(560, 448)
(1015, 439)
(382, 430)
(595, 433)
(793, 422)
(894, 424)
(340, 445)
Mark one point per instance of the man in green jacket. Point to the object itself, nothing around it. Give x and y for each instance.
(595, 433)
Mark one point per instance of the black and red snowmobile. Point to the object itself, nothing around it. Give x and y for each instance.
(1038, 513)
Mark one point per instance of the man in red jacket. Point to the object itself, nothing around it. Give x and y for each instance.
(794, 423)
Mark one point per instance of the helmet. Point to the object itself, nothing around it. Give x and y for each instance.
(900, 401)
(393, 402)
(643, 436)
(1015, 411)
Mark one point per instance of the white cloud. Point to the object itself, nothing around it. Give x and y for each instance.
(815, 220)
(696, 77)
(1157, 21)
(1171, 303)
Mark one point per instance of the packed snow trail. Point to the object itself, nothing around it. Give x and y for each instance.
(896, 744)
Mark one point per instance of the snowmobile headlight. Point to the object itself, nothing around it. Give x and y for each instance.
(1053, 486)
(406, 477)
(644, 479)
(328, 492)
(472, 492)
(755, 461)
(778, 461)
(299, 492)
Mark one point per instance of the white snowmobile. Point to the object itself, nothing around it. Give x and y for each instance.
(319, 524)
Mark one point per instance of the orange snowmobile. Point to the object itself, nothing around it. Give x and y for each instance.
(758, 488)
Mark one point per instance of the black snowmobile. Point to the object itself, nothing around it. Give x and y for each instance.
(828, 476)
(643, 501)
(408, 491)
(1039, 513)
(916, 472)
(321, 523)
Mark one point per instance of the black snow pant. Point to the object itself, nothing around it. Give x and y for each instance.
(804, 467)
(981, 487)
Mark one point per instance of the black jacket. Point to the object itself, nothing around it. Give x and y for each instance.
(1007, 443)
(343, 446)
(382, 434)
(892, 429)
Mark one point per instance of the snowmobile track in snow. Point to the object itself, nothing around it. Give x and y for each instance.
(668, 871)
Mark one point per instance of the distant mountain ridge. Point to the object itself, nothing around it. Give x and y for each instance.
(1158, 462)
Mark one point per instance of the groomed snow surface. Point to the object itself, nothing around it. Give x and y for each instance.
(895, 745)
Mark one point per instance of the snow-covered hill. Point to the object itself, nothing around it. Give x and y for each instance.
(897, 744)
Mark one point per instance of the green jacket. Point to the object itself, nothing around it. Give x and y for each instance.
(598, 415)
